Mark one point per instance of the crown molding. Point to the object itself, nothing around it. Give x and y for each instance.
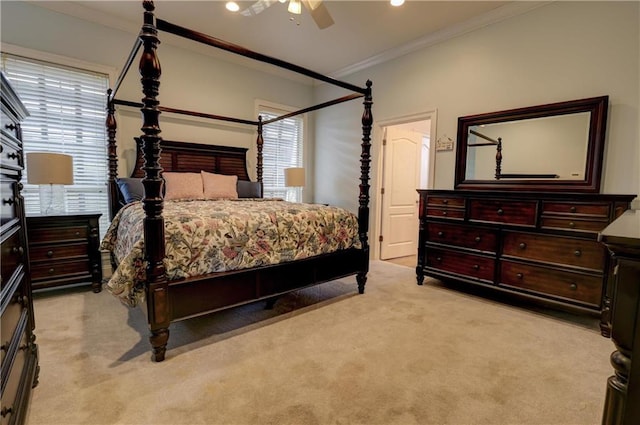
(497, 15)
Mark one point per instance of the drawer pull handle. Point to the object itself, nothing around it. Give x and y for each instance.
(444, 213)
(445, 201)
(17, 250)
(440, 234)
(476, 267)
(577, 253)
(500, 211)
(572, 209)
(10, 126)
(52, 270)
(439, 259)
(4, 347)
(77, 233)
(12, 155)
(522, 245)
(478, 239)
(520, 276)
(6, 411)
(24, 301)
(49, 254)
(573, 286)
(572, 224)
(9, 201)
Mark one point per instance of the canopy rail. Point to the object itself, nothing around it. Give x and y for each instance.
(125, 69)
(316, 107)
(239, 50)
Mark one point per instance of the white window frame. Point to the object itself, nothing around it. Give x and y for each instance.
(65, 62)
(289, 194)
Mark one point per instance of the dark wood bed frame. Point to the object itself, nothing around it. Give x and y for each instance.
(168, 301)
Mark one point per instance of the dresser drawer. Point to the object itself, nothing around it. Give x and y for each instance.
(468, 265)
(11, 316)
(13, 380)
(463, 236)
(445, 213)
(446, 201)
(573, 224)
(554, 249)
(56, 252)
(8, 201)
(590, 209)
(574, 286)
(58, 268)
(503, 211)
(39, 235)
(12, 254)
(11, 155)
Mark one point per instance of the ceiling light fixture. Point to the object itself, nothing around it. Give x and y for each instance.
(397, 2)
(232, 6)
(295, 7)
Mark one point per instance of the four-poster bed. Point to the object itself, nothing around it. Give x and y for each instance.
(168, 300)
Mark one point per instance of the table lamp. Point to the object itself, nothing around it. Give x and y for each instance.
(294, 177)
(51, 171)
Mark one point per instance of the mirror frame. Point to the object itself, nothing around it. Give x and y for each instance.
(597, 106)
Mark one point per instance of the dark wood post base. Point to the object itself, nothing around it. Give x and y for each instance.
(158, 339)
(362, 280)
(419, 275)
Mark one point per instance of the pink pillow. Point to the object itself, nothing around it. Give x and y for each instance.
(183, 186)
(217, 186)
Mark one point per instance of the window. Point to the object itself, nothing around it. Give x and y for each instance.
(283, 141)
(67, 108)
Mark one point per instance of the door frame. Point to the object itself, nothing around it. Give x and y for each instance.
(377, 183)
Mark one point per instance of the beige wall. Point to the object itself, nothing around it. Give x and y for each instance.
(558, 52)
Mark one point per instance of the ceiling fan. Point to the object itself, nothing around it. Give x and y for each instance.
(316, 8)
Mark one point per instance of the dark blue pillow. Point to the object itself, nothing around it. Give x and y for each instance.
(131, 188)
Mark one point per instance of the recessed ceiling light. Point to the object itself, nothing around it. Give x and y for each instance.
(232, 6)
(397, 2)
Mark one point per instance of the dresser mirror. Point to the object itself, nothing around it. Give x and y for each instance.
(552, 147)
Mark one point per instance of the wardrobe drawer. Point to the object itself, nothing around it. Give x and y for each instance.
(56, 234)
(468, 265)
(573, 224)
(58, 268)
(575, 286)
(55, 252)
(594, 209)
(554, 249)
(463, 236)
(503, 211)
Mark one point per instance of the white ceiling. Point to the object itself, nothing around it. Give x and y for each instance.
(364, 33)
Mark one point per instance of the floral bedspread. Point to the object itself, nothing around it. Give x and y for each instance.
(214, 236)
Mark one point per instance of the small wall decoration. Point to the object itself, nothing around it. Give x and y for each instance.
(444, 143)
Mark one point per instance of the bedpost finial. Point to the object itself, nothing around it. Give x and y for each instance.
(369, 83)
(148, 5)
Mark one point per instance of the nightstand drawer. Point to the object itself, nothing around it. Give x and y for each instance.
(56, 234)
(55, 269)
(55, 252)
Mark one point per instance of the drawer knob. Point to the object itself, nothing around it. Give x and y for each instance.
(77, 233)
(4, 347)
(17, 250)
(573, 286)
(577, 253)
(444, 213)
(52, 270)
(6, 410)
(476, 267)
(9, 201)
(49, 254)
(572, 209)
(445, 201)
(440, 234)
(572, 224)
(522, 245)
(12, 155)
(23, 300)
(520, 276)
(478, 239)
(10, 126)
(500, 211)
(439, 259)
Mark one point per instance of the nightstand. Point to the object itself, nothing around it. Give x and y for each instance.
(64, 249)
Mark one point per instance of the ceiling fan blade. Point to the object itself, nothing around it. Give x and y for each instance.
(319, 13)
(257, 7)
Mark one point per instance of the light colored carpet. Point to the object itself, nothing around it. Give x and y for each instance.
(399, 354)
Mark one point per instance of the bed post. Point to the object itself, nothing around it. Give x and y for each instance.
(363, 198)
(156, 288)
(260, 145)
(112, 153)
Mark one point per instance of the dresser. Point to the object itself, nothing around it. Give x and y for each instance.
(19, 351)
(64, 250)
(538, 245)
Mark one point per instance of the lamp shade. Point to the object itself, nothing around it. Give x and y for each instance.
(49, 168)
(294, 177)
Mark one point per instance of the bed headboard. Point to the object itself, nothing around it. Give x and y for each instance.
(194, 157)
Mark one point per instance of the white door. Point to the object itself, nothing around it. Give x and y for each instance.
(401, 178)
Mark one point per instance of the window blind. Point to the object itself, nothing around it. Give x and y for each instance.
(283, 141)
(67, 108)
